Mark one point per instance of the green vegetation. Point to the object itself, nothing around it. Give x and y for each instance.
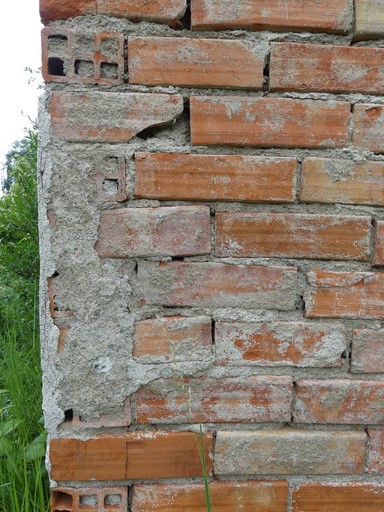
(23, 478)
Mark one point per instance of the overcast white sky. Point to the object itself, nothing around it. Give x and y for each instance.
(20, 48)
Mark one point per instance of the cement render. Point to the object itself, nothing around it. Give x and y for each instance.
(95, 373)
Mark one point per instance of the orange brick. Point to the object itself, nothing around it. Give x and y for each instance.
(289, 451)
(369, 19)
(206, 400)
(173, 339)
(168, 231)
(367, 351)
(113, 499)
(66, 59)
(265, 496)
(350, 497)
(102, 458)
(313, 67)
(368, 132)
(151, 10)
(344, 295)
(342, 181)
(194, 63)
(339, 401)
(319, 16)
(218, 285)
(215, 178)
(288, 235)
(269, 122)
(376, 452)
(109, 116)
(279, 344)
(378, 251)
(145, 454)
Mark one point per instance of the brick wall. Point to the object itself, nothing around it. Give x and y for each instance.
(212, 239)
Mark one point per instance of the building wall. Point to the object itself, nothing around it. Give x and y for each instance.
(212, 240)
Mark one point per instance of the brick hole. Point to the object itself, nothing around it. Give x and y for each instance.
(109, 46)
(84, 68)
(83, 45)
(177, 258)
(112, 500)
(56, 66)
(88, 501)
(61, 502)
(57, 44)
(186, 21)
(111, 164)
(68, 415)
(110, 71)
(110, 187)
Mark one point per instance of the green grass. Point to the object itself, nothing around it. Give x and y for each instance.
(23, 478)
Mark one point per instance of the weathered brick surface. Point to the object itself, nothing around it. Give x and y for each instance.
(292, 235)
(344, 295)
(326, 68)
(66, 57)
(110, 117)
(218, 285)
(367, 351)
(342, 181)
(194, 63)
(369, 19)
(289, 451)
(339, 401)
(215, 178)
(378, 251)
(105, 499)
(376, 452)
(319, 16)
(152, 10)
(279, 344)
(266, 496)
(203, 399)
(267, 122)
(110, 179)
(132, 456)
(350, 497)
(173, 339)
(169, 231)
(368, 129)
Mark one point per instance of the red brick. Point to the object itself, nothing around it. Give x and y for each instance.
(146, 454)
(109, 116)
(215, 178)
(168, 231)
(349, 497)
(279, 344)
(367, 351)
(376, 452)
(58, 307)
(269, 122)
(342, 181)
(218, 285)
(63, 59)
(263, 496)
(206, 400)
(113, 499)
(288, 235)
(319, 16)
(339, 401)
(344, 295)
(289, 451)
(194, 63)
(369, 19)
(378, 251)
(337, 69)
(368, 129)
(173, 339)
(151, 10)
